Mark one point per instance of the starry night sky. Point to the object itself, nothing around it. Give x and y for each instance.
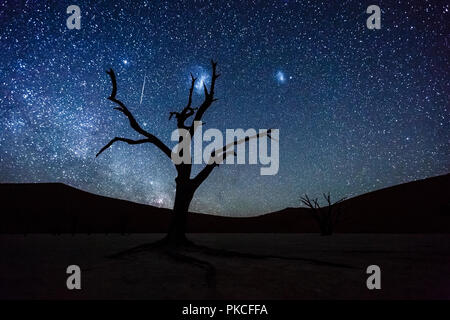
(357, 109)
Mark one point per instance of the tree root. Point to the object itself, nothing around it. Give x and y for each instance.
(140, 248)
(210, 269)
(166, 246)
(177, 253)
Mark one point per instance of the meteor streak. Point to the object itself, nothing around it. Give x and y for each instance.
(142, 92)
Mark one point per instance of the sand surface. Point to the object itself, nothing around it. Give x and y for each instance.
(412, 267)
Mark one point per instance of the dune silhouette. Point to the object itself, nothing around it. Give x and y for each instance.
(421, 206)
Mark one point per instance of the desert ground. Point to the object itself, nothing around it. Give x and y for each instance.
(295, 266)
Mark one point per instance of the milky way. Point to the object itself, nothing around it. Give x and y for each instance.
(357, 109)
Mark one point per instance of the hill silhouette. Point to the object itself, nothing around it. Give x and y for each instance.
(421, 206)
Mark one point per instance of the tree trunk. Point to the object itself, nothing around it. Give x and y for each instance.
(177, 229)
(326, 228)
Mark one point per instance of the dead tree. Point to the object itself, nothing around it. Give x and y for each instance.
(326, 217)
(186, 186)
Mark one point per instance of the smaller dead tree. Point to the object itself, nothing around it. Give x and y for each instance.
(326, 217)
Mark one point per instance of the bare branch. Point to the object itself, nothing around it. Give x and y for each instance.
(133, 123)
(203, 174)
(327, 198)
(316, 203)
(209, 97)
(306, 201)
(191, 90)
(328, 216)
(129, 141)
(187, 111)
(236, 142)
(219, 155)
(314, 206)
(213, 162)
(182, 116)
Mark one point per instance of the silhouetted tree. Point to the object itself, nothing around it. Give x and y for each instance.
(186, 186)
(326, 217)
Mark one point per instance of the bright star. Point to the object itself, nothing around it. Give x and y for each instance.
(125, 61)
